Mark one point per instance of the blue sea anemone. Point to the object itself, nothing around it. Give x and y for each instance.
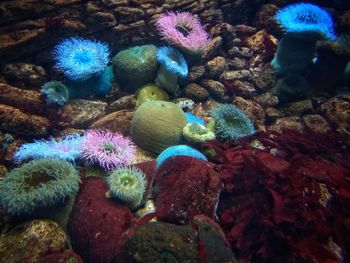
(231, 123)
(303, 24)
(38, 184)
(68, 148)
(192, 118)
(81, 58)
(179, 150)
(128, 184)
(55, 92)
(172, 66)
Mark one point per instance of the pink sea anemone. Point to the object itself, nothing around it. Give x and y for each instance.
(183, 30)
(109, 150)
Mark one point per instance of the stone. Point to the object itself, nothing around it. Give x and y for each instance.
(265, 18)
(185, 104)
(316, 123)
(272, 114)
(226, 32)
(235, 74)
(292, 123)
(196, 92)
(118, 121)
(216, 67)
(216, 89)
(17, 122)
(236, 63)
(24, 74)
(337, 112)
(202, 109)
(242, 52)
(30, 240)
(240, 88)
(66, 256)
(196, 73)
(81, 113)
(125, 102)
(266, 99)
(212, 48)
(264, 78)
(298, 108)
(254, 111)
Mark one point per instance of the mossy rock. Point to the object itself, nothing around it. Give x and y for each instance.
(149, 92)
(135, 66)
(157, 125)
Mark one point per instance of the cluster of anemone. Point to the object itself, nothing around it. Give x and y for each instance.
(108, 150)
(197, 133)
(183, 30)
(38, 184)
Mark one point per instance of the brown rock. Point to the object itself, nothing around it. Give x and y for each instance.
(240, 88)
(297, 108)
(243, 52)
(215, 88)
(265, 18)
(125, 102)
(118, 121)
(264, 77)
(235, 74)
(216, 67)
(266, 99)
(212, 48)
(196, 92)
(293, 123)
(236, 63)
(196, 73)
(202, 109)
(20, 123)
(272, 114)
(254, 111)
(316, 123)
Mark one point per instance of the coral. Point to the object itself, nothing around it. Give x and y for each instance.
(231, 123)
(68, 148)
(197, 133)
(183, 30)
(55, 92)
(81, 58)
(148, 92)
(128, 184)
(36, 184)
(192, 118)
(135, 66)
(179, 150)
(109, 150)
(157, 125)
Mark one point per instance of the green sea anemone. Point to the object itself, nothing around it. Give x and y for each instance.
(37, 184)
(55, 92)
(128, 184)
(197, 133)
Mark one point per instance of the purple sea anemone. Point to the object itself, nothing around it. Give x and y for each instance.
(183, 30)
(109, 150)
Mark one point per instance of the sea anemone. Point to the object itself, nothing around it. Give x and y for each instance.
(68, 148)
(37, 184)
(172, 66)
(231, 123)
(81, 58)
(304, 24)
(128, 184)
(109, 150)
(179, 150)
(193, 118)
(55, 92)
(183, 30)
(197, 133)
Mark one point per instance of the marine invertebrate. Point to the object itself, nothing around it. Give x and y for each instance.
(157, 125)
(109, 150)
(37, 184)
(183, 30)
(148, 92)
(81, 58)
(231, 123)
(193, 118)
(179, 150)
(67, 148)
(197, 133)
(303, 24)
(55, 92)
(135, 66)
(128, 184)
(172, 66)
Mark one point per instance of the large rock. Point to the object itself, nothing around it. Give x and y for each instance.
(118, 121)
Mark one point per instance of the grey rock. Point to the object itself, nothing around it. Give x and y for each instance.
(196, 92)
(216, 89)
(240, 52)
(24, 74)
(266, 99)
(216, 67)
(196, 73)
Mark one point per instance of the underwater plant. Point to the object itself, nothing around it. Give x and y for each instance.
(183, 30)
(128, 184)
(109, 150)
(197, 133)
(37, 184)
(55, 92)
(172, 66)
(304, 24)
(81, 58)
(179, 150)
(67, 148)
(231, 123)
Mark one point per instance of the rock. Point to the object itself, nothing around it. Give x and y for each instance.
(216, 89)
(236, 63)
(242, 52)
(226, 32)
(25, 75)
(66, 256)
(202, 109)
(266, 99)
(298, 108)
(316, 123)
(3, 170)
(240, 88)
(265, 18)
(195, 73)
(118, 121)
(26, 100)
(293, 123)
(185, 104)
(96, 222)
(272, 114)
(125, 102)
(234, 75)
(18, 122)
(143, 156)
(31, 240)
(264, 78)
(186, 187)
(257, 41)
(196, 92)
(254, 111)
(216, 67)
(81, 113)
(212, 48)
